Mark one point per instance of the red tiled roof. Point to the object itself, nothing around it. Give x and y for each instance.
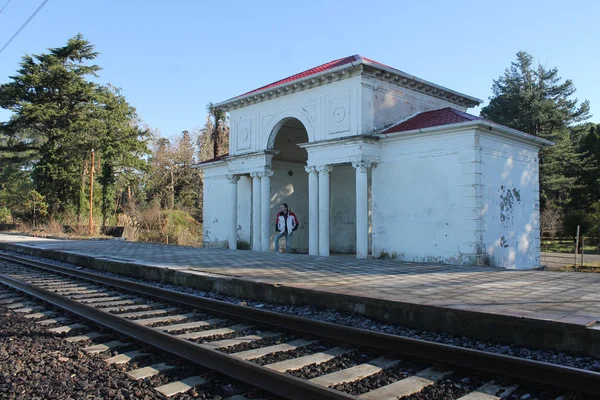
(428, 119)
(321, 68)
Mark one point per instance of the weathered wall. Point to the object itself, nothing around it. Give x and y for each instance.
(216, 207)
(216, 211)
(511, 203)
(392, 103)
(421, 199)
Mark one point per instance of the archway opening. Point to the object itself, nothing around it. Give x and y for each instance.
(289, 183)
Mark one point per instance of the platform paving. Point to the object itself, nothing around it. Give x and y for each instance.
(563, 297)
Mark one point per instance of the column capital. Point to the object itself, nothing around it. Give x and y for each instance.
(266, 174)
(363, 164)
(310, 169)
(261, 174)
(324, 169)
(233, 178)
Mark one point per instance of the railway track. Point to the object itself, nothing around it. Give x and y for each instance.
(288, 356)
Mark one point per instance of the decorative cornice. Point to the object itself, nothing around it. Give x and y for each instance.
(420, 85)
(299, 85)
(361, 66)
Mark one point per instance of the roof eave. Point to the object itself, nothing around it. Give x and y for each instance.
(291, 83)
(474, 101)
(472, 124)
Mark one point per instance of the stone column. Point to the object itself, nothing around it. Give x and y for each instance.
(313, 210)
(265, 203)
(256, 210)
(324, 171)
(233, 180)
(362, 208)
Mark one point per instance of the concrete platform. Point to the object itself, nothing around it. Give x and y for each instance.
(533, 308)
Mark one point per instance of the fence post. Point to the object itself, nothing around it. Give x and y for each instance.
(582, 248)
(576, 245)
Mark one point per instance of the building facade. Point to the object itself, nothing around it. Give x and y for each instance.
(374, 161)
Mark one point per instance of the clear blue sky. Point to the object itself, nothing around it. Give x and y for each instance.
(172, 57)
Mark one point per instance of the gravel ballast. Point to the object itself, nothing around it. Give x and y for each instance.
(357, 321)
(37, 364)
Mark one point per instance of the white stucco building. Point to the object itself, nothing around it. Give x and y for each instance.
(375, 161)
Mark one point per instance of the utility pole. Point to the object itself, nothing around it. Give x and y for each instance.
(92, 194)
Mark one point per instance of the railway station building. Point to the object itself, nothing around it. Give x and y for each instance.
(374, 161)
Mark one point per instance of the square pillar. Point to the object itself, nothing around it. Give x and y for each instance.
(256, 211)
(313, 210)
(233, 180)
(324, 171)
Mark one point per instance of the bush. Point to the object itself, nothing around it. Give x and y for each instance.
(5, 216)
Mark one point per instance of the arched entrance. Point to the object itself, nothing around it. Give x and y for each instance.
(289, 183)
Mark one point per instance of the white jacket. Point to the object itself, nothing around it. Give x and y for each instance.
(291, 223)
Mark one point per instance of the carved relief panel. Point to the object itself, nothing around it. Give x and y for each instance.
(338, 113)
(243, 134)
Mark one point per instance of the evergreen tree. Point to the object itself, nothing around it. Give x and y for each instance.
(534, 100)
(122, 144)
(52, 100)
(59, 116)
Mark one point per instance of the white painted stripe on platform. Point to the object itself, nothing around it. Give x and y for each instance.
(490, 391)
(214, 332)
(258, 353)
(165, 318)
(66, 328)
(181, 386)
(301, 362)
(147, 372)
(355, 373)
(125, 357)
(406, 387)
(99, 348)
(87, 336)
(221, 344)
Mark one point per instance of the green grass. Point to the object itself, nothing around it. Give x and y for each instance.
(564, 246)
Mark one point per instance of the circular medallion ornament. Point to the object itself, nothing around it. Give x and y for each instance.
(244, 134)
(339, 114)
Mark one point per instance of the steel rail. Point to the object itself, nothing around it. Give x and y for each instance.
(272, 381)
(528, 371)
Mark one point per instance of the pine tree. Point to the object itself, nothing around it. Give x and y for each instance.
(534, 100)
(51, 99)
(59, 116)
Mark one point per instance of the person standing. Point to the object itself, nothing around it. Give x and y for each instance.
(285, 225)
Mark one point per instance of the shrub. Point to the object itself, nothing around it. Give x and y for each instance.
(5, 216)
